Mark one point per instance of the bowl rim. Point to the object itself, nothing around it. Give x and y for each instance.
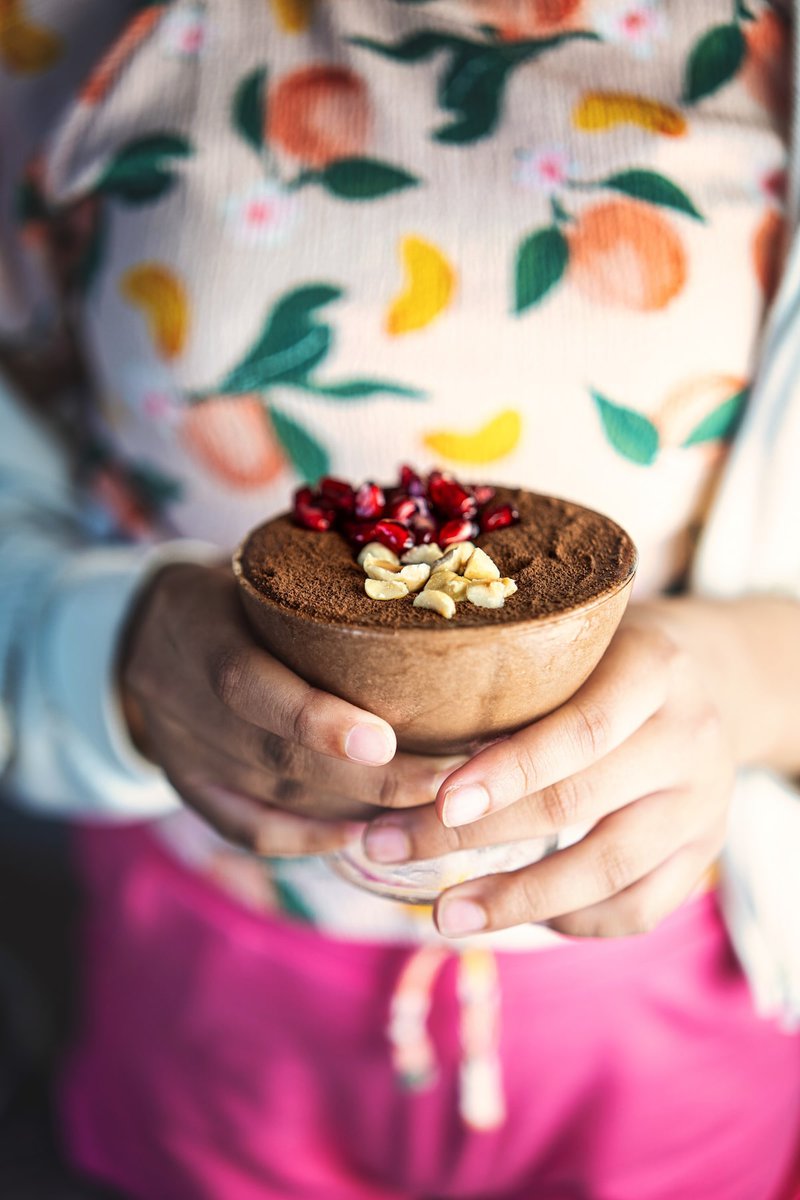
(504, 629)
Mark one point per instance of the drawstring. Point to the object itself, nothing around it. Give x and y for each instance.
(413, 1055)
(481, 1098)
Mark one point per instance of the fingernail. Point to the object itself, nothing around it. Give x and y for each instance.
(354, 830)
(465, 804)
(386, 844)
(461, 916)
(369, 744)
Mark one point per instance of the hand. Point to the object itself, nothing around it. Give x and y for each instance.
(641, 754)
(276, 765)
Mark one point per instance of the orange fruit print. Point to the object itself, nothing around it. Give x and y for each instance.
(765, 72)
(232, 438)
(319, 114)
(768, 248)
(528, 18)
(623, 253)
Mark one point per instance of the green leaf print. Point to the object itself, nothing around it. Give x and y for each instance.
(307, 456)
(141, 172)
(713, 62)
(360, 389)
(291, 344)
(249, 107)
(93, 256)
(632, 434)
(542, 259)
(472, 87)
(652, 188)
(415, 48)
(721, 424)
(363, 179)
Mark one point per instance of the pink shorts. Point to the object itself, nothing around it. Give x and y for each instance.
(228, 1056)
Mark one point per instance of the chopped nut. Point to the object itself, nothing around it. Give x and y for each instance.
(480, 566)
(415, 576)
(385, 589)
(380, 568)
(422, 554)
(487, 595)
(454, 558)
(378, 550)
(509, 587)
(450, 582)
(439, 602)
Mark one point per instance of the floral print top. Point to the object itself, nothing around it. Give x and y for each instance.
(529, 240)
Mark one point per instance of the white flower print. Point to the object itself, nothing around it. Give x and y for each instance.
(184, 32)
(545, 170)
(262, 215)
(635, 24)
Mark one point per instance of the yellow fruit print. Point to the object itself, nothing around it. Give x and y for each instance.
(429, 287)
(25, 47)
(293, 16)
(494, 440)
(161, 296)
(599, 111)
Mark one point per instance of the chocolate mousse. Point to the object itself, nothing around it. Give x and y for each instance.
(559, 554)
(523, 595)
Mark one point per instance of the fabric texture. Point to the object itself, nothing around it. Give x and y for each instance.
(203, 990)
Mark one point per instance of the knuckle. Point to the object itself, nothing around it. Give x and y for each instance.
(280, 755)
(287, 792)
(389, 790)
(306, 717)
(525, 771)
(562, 803)
(615, 868)
(228, 674)
(591, 731)
(524, 899)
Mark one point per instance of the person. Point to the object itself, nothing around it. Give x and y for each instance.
(537, 240)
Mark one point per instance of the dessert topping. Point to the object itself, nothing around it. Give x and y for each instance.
(464, 572)
(440, 602)
(434, 510)
(385, 589)
(378, 550)
(417, 537)
(480, 566)
(423, 554)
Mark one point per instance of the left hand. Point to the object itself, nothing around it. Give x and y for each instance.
(641, 753)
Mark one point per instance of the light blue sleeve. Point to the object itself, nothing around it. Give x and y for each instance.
(64, 746)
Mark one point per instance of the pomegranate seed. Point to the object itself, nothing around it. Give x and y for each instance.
(424, 529)
(394, 535)
(451, 498)
(369, 501)
(402, 509)
(337, 493)
(360, 532)
(411, 482)
(499, 517)
(460, 530)
(483, 494)
(310, 513)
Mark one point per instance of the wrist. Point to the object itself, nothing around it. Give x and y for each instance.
(747, 654)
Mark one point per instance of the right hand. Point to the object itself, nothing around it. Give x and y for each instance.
(275, 765)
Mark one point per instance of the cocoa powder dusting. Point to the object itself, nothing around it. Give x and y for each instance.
(560, 555)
